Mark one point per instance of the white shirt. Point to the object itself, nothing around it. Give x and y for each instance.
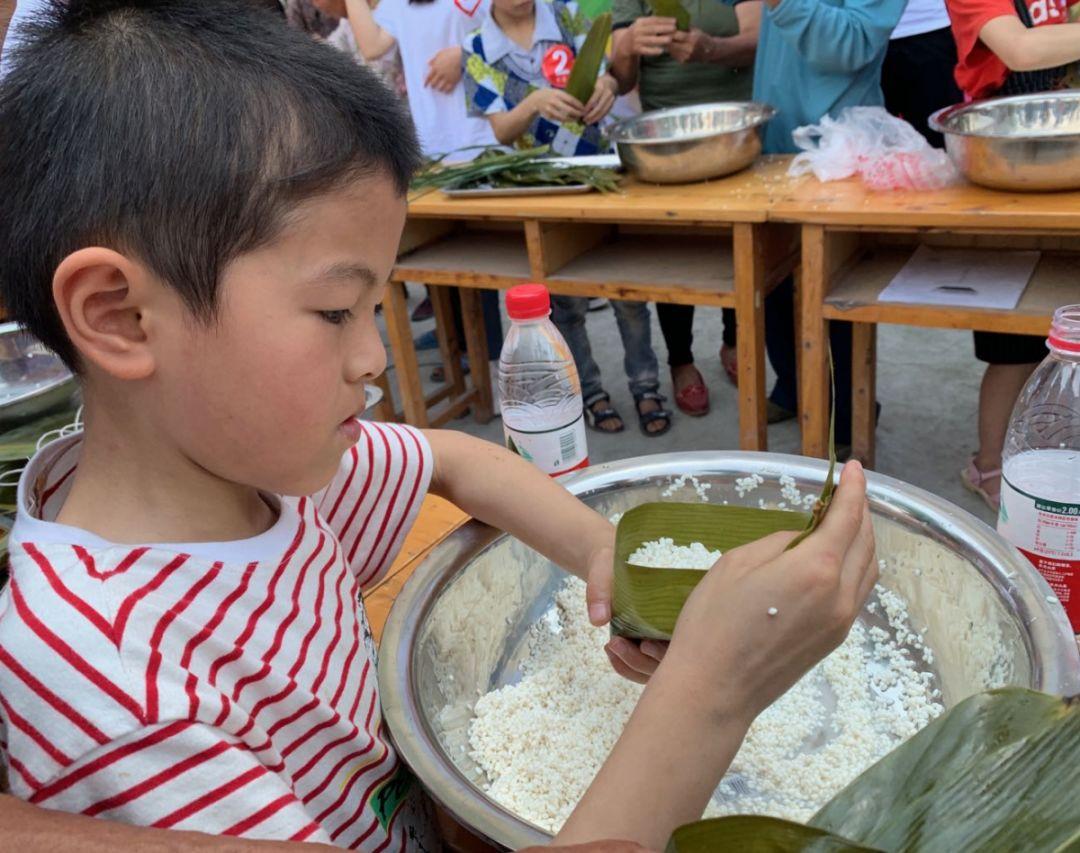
(227, 688)
(421, 31)
(922, 16)
(23, 10)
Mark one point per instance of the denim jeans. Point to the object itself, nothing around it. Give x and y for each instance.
(639, 360)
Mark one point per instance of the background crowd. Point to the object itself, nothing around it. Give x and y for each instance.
(481, 73)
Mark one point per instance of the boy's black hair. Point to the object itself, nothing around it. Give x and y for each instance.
(180, 132)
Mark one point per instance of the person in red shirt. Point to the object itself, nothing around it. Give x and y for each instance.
(1013, 47)
(1007, 47)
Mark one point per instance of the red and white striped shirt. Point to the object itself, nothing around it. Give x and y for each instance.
(228, 688)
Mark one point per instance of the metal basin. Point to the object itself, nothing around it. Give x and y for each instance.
(33, 379)
(686, 144)
(1026, 143)
(460, 626)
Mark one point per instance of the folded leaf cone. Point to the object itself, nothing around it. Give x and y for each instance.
(647, 601)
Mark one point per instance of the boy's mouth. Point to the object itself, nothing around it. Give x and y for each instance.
(351, 429)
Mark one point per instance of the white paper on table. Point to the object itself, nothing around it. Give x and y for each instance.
(969, 278)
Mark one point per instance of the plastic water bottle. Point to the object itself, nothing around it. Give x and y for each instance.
(1040, 485)
(542, 414)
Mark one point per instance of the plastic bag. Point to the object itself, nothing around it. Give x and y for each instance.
(885, 151)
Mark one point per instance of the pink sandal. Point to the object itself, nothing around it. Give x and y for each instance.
(973, 481)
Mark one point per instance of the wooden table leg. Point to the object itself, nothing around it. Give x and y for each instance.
(384, 411)
(814, 335)
(446, 331)
(863, 391)
(472, 316)
(399, 330)
(750, 316)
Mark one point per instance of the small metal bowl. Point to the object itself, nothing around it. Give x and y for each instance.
(1028, 143)
(687, 144)
(33, 379)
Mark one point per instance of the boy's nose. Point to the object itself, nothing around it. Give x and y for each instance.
(367, 358)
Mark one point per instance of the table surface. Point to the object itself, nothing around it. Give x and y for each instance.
(742, 197)
(765, 192)
(437, 520)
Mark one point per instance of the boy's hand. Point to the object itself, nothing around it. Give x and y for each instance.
(633, 661)
(556, 105)
(602, 100)
(444, 70)
(651, 36)
(731, 653)
(690, 47)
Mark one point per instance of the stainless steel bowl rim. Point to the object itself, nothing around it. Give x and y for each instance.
(756, 114)
(46, 389)
(1046, 624)
(941, 121)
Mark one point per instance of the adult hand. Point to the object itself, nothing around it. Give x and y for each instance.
(556, 105)
(602, 100)
(633, 661)
(738, 655)
(651, 36)
(444, 70)
(692, 46)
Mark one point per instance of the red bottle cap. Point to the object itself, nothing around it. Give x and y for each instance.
(528, 302)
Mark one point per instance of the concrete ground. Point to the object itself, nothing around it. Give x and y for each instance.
(928, 382)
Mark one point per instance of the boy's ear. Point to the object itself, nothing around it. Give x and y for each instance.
(102, 297)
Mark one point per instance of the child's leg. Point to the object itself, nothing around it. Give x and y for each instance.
(639, 358)
(642, 370)
(568, 314)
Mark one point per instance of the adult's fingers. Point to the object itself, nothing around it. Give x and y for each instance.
(864, 565)
(756, 553)
(844, 518)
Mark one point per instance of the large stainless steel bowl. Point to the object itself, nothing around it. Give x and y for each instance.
(460, 626)
(1027, 143)
(686, 144)
(33, 379)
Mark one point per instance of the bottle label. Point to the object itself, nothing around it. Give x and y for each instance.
(1048, 534)
(555, 451)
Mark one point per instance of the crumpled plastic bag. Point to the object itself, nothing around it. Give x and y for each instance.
(885, 151)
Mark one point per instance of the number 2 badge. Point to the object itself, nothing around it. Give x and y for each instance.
(556, 66)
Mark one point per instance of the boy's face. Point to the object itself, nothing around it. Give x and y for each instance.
(266, 394)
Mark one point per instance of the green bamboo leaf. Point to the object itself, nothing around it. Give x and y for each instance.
(587, 64)
(672, 9)
(647, 601)
(754, 834)
(997, 772)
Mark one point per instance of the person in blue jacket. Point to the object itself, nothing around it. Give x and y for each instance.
(814, 58)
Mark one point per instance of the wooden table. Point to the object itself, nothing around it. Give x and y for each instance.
(854, 241)
(701, 244)
(437, 520)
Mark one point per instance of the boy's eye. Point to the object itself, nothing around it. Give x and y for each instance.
(337, 318)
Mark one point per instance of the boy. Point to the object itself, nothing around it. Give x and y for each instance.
(201, 208)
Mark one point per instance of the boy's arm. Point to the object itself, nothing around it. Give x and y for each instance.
(1023, 49)
(728, 661)
(501, 489)
(836, 39)
(30, 829)
(372, 39)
